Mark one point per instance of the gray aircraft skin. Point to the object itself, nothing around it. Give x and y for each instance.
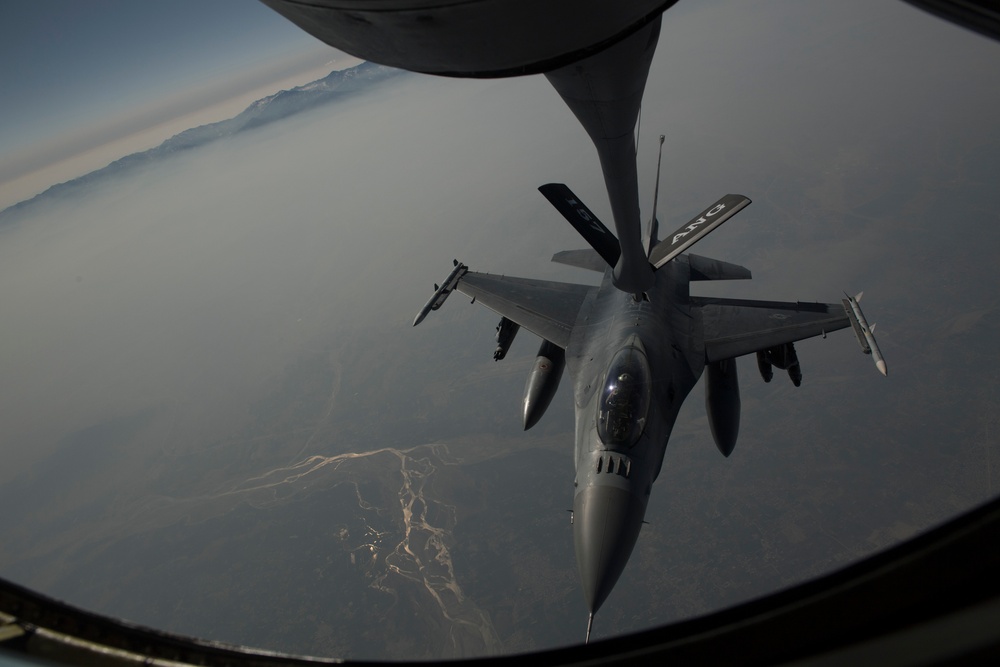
(633, 361)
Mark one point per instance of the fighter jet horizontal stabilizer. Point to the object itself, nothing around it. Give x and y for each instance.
(706, 268)
(865, 334)
(584, 258)
(698, 228)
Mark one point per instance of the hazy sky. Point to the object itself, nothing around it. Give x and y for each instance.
(196, 324)
(80, 75)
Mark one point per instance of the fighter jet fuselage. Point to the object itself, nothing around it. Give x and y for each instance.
(632, 363)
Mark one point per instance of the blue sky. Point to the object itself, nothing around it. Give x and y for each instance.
(78, 73)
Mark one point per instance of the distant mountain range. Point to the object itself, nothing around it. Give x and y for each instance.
(336, 86)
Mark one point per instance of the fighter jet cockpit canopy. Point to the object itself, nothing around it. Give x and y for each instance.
(625, 397)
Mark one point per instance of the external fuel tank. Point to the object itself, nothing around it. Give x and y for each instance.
(542, 382)
(722, 402)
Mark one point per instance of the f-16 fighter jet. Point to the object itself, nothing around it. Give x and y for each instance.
(633, 359)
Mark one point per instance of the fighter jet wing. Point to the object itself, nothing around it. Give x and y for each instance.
(734, 327)
(547, 309)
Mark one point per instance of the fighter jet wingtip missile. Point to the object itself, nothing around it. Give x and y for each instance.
(864, 333)
(442, 291)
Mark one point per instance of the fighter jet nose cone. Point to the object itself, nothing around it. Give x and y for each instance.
(606, 525)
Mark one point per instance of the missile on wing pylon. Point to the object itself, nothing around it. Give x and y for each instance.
(441, 293)
(506, 331)
(864, 333)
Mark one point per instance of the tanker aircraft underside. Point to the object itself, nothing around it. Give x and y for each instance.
(633, 358)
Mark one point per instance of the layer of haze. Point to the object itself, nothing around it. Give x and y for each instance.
(89, 82)
(147, 322)
(165, 286)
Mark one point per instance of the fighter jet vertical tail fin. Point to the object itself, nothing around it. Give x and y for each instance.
(654, 223)
(575, 211)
